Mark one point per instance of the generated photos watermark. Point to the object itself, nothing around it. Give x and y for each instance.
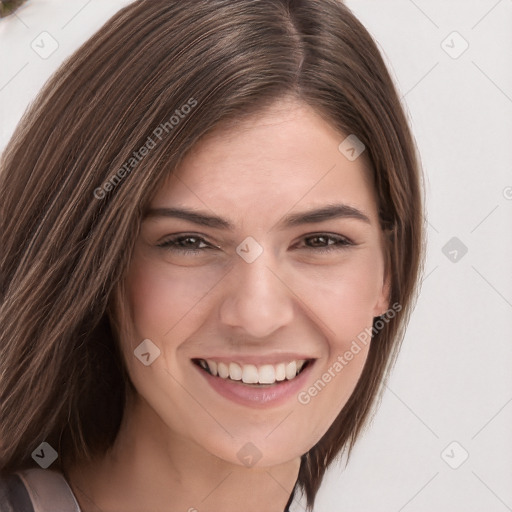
(362, 339)
(152, 141)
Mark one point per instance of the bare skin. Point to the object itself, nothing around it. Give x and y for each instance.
(181, 442)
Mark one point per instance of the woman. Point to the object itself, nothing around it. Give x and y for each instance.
(211, 239)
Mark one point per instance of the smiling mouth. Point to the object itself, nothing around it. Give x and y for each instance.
(262, 375)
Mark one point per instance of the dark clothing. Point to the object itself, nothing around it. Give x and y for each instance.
(42, 490)
(13, 495)
(36, 490)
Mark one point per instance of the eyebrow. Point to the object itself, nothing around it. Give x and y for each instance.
(329, 212)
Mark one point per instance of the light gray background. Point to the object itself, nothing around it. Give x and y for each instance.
(453, 380)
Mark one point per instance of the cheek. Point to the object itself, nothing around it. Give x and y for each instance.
(343, 301)
(166, 305)
(343, 297)
(161, 297)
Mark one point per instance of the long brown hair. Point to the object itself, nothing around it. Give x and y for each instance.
(73, 194)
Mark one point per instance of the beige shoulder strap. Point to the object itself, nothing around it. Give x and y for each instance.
(49, 491)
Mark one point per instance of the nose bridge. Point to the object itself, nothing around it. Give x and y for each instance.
(256, 301)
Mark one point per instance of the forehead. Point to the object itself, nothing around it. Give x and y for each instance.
(284, 156)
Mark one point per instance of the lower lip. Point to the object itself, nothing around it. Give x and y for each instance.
(267, 396)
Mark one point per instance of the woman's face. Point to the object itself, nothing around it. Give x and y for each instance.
(234, 271)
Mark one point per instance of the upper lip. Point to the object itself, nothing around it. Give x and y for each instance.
(257, 360)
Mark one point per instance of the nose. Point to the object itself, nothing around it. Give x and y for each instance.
(258, 301)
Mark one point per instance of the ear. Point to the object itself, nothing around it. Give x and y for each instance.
(383, 301)
(382, 304)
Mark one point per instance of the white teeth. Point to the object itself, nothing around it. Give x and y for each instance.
(267, 374)
(251, 374)
(223, 370)
(280, 372)
(291, 370)
(235, 372)
(213, 367)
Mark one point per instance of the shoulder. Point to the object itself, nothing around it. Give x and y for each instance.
(37, 489)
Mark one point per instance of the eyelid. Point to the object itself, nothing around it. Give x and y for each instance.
(171, 242)
(167, 241)
(342, 241)
(327, 234)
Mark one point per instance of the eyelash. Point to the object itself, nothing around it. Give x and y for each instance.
(172, 244)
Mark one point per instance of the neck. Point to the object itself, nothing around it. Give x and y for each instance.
(150, 468)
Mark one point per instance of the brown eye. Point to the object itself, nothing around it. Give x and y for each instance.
(324, 242)
(190, 244)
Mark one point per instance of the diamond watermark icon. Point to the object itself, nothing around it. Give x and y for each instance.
(249, 250)
(45, 45)
(44, 455)
(454, 45)
(351, 148)
(455, 455)
(147, 352)
(249, 455)
(454, 250)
